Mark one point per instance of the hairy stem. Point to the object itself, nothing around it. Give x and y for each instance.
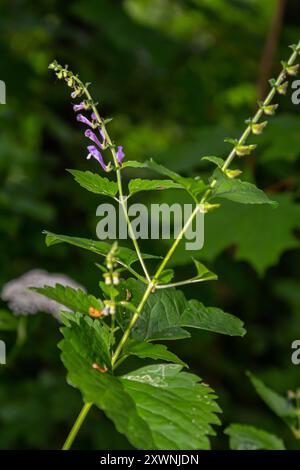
(77, 425)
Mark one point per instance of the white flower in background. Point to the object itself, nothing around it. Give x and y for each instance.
(23, 301)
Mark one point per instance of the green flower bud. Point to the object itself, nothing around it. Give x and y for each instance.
(107, 278)
(116, 278)
(53, 65)
(59, 74)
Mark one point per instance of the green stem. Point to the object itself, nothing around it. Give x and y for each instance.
(77, 425)
(132, 323)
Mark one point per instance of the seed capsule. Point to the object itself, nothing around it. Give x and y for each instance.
(243, 150)
(257, 128)
(270, 109)
(292, 69)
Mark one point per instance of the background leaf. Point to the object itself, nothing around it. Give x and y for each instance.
(243, 437)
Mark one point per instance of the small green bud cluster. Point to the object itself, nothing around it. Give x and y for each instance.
(280, 86)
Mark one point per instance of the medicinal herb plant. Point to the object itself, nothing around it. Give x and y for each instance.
(161, 406)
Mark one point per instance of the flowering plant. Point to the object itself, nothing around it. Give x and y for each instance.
(160, 406)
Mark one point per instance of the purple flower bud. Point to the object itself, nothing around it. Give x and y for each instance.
(79, 107)
(93, 116)
(91, 135)
(120, 154)
(82, 118)
(94, 152)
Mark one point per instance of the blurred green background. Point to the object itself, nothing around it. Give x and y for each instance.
(178, 76)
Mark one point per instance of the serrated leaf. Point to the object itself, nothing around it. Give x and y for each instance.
(137, 185)
(237, 190)
(160, 318)
(156, 407)
(196, 315)
(177, 407)
(74, 299)
(259, 233)
(244, 437)
(7, 321)
(194, 186)
(280, 405)
(167, 313)
(123, 256)
(151, 351)
(95, 183)
(90, 338)
(103, 389)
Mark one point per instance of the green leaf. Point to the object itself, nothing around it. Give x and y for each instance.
(151, 351)
(196, 315)
(7, 321)
(160, 318)
(166, 276)
(156, 407)
(123, 256)
(95, 183)
(90, 338)
(203, 273)
(219, 162)
(280, 405)
(243, 437)
(102, 389)
(194, 186)
(75, 299)
(177, 407)
(137, 185)
(167, 313)
(237, 190)
(259, 233)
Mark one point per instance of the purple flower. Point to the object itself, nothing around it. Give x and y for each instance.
(94, 152)
(120, 154)
(93, 116)
(82, 118)
(79, 107)
(91, 135)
